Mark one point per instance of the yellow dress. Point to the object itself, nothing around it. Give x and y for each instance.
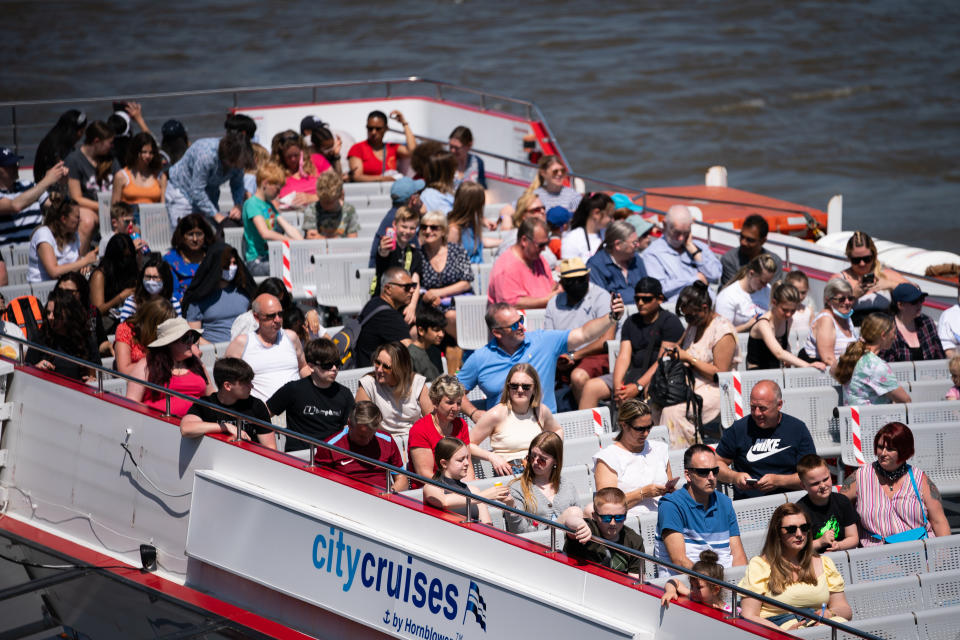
(798, 594)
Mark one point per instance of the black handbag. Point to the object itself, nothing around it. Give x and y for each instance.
(673, 383)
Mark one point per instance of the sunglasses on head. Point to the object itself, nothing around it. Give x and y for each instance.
(861, 259)
(607, 519)
(516, 386)
(704, 472)
(792, 529)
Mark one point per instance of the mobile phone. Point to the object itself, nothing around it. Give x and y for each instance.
(671, 483)
(752, 481)
(392, 234)
(868, 279)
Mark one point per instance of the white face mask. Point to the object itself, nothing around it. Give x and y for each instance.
(229, 273)
(153, 287)
(307, 141)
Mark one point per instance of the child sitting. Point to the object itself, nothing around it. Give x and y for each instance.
(330, 217)
(396, 250)
(424, 351)
(954, 366)
(558, 219)
(699, 591)
(234, 380)
(261, 219)
(121, 217)
(606, 521)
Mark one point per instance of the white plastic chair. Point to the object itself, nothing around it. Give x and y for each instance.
(471, 325)
(887, 561)
(581, 423)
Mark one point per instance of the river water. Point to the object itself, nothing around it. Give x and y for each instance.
(798, 100)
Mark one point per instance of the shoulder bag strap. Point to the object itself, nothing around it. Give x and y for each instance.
(919, 496)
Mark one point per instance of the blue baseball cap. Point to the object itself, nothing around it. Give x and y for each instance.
(405, 187)
(8, 158)
(622, 200)
(558, 216)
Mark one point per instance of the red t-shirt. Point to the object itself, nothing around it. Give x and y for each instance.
(124, 334)
(372, 166)
(424, 434)
(381, 447)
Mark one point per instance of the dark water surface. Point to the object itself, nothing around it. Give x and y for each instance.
(798, 100)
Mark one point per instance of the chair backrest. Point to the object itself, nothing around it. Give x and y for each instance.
(17, 274)
(895, 627)
(471, 326)
(871, 564)
(938, 624)
(904, 371)
(871, 418)
(535, 319)
(580, 450)
(940, 589)
(581, 423)
(814, 407)
(729, 396)
(155, 227)
(582, 480)
(103, 211)
(938, 411)
(753, 514)
(233, 236)
(842, 561)
(337, 246)
(888, 597)
(799, 377)
(930, 390)
(42, 289)
(351, 378)
(646, 526)
(931, 370)
(943, 553)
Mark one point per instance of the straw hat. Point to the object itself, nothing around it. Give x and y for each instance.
(172, 330)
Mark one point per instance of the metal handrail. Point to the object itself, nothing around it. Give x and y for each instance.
(469, 496)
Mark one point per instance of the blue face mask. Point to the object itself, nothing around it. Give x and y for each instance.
(845, 316)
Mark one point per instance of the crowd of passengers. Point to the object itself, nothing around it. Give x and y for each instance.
(578, 256)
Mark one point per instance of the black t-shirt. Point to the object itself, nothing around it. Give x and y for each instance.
(761, 451)
(250, 406)
(386, 326)
(645, 339)
(837, 514)
(408, 258)
(312, 411)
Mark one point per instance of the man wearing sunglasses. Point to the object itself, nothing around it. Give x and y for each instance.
(521, 276)
(759, 452)
(275, 353)
(381, 320)
(317, 406)
(753, 233)
(607, 523)
(697, 517)
(511, 344)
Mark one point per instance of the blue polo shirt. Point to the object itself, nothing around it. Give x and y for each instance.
(702, 527)
(605, 273)
(488, 367)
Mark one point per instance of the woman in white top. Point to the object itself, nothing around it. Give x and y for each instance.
(832, 330)
(589, 221)
(55, 247)
(636, 465)
(745, 298)
(399, 393)
(806, 310)
(514, 422)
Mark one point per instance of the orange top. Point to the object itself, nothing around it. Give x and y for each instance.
(132, 193)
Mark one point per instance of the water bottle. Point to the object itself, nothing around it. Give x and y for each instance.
(135, 235)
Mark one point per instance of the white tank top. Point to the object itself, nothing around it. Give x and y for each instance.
(841, 342)
(273, 366)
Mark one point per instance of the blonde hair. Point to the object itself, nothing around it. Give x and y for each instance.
(874, 327)
(329, 185)
(270, 172)
(523, 202)
(261, 155)
(953, 366)
(763, 263)
(406, 214)
(435, 217)
(536, 393)
(862, 239)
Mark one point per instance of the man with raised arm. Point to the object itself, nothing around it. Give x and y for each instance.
(274, 353)
(759, 452)
(511, 344)
(676, 259)
(696, 517)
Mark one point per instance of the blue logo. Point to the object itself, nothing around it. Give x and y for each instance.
(476, 604)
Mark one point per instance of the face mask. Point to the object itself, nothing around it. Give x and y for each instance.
(576, 288)
(307, 141)
(845, 316)
(153, 287)
(229, 273)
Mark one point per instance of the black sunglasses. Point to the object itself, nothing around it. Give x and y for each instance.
(327, 366)
(271, 316)
(607, 519)
(430, 227)
(644, 299)
(704, 472)
(406, 287)
(516, 386)
(861, 259)
(637, 429)
(792, 529)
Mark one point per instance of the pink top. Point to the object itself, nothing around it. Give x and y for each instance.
(190, 384)
(884, 514)
(511, 278)
(953, 393)
(302, 183)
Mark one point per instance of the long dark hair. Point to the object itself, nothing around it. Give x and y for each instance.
(136, 145)
(166, 274)
(207, 279)
(596, 200)
(187, 224)
(58, 142)
(69, 330)
(83, 287)
(160, 365)
(118, 265)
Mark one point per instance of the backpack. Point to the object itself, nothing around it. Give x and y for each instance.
(346, 338)
(673, 383)
(26, 313)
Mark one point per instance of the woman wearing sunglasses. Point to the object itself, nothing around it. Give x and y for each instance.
(640, 467)
(173, 361)
(399, 393)
(865, 377)
(831, 331)
(541, 490)
(549, 187)
(375, 161)
(513, 423)
(870, 280)
(895, 501)
(789, 571)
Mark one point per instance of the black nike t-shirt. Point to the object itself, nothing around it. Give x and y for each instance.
(837, 514)
(761, 451)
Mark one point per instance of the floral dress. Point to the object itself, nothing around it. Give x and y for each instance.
(872, 379)
(457, 268)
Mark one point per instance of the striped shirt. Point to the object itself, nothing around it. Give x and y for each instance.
(199, 174)
(884, 514)
(130, 307)
(702, 527)
(18, 227)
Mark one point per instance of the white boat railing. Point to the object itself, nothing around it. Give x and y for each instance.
(391, 470)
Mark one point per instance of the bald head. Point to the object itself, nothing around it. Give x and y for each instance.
(266, 303)
(676, 225)
(766, 401)
(269, 314)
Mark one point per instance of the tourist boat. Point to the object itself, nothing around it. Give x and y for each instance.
(154, 535)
